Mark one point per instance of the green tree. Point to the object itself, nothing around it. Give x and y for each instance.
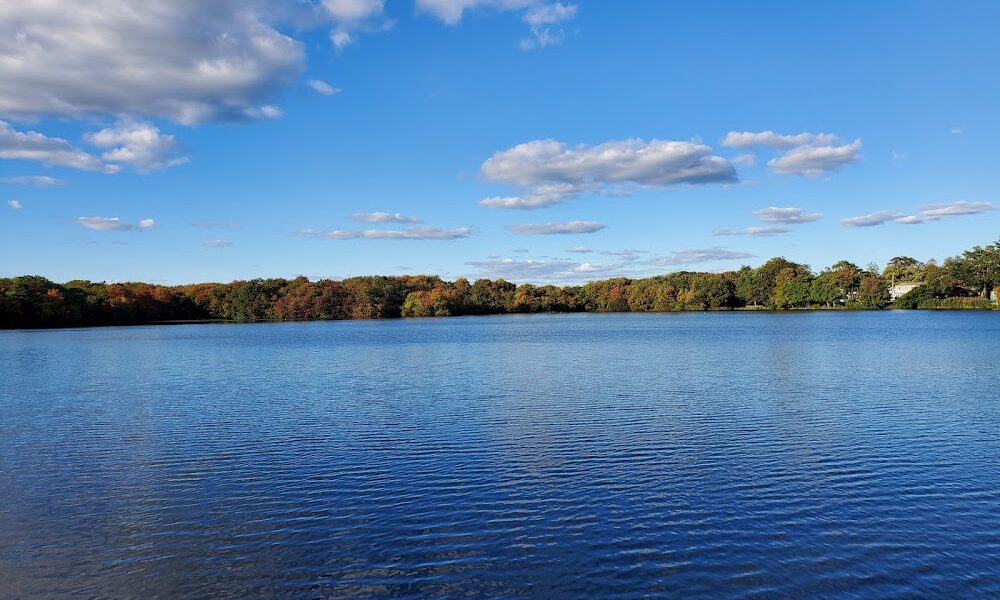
(978, 268)
(873, 293)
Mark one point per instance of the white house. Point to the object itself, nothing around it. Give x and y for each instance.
(899, 290)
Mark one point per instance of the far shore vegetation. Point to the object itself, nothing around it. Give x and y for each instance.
(969, 281)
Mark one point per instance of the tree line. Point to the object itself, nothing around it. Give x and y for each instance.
(959, 282)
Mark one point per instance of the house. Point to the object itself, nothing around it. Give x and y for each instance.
(899, 290)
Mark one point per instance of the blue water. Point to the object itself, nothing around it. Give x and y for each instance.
(682, 455)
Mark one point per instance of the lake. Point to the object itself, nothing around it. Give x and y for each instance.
(804, 454)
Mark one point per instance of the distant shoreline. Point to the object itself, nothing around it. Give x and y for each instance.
(967, 282)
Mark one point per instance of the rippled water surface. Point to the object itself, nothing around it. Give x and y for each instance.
(682, 455)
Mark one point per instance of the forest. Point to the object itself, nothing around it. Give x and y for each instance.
(960, 282)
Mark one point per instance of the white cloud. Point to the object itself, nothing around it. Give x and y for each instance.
(625, 255)
(812, 161)
(545, 271)
(744, 160)
(413, 233)
(31, 145)
(568, 271)
(698, 255)
(928, 212)
(341, 38)
(628, 161)
(549, 14)
(322, 87)
(570, 227)
(211, 225)
(15, 204)
(808, 154)
(514, 202)
(114, 224)
(138, 144)
(540, 196)
(552, 172)
(752, 139)
(351, 14)
(37, 180)
(788, 216)
(753, 231)
(351, 11)
(217, 243)
(954, 209)
(579, 250)
(265, 111)
(541, 19)
(451, 11)
(186, 60)
(876, 218)
(383, 217)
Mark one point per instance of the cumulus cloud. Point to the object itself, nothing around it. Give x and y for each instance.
(770, 139)
(185, 60)
(114, 224)
(31, 145)
(698, 255)
(551, 171)
(744, 160)
(806, 154)
(628, 161)
(217, 243)
(383, 217)
(540, 196)
(954, 209)
(579, 250)
(413, 233)
(788, 216)
(570, 227)
(138, 144)
(322, 87)
(875, 218)
(15, 204)
(36, 180)
(753, 231)
(812, 161)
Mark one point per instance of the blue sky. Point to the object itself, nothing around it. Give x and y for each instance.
(177, 143)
